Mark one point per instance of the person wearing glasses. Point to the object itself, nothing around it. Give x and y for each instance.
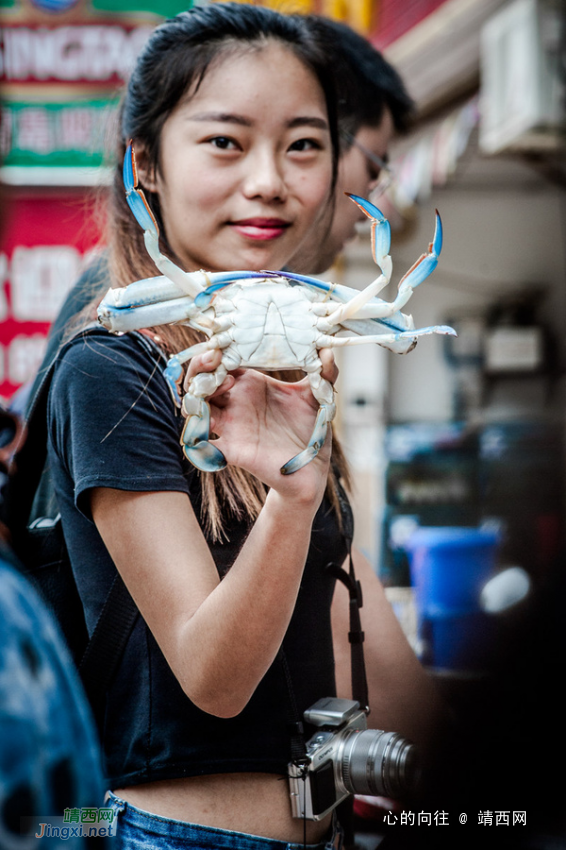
(373, 105)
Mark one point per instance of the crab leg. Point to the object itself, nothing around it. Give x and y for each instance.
(398, 340)
(118, 319)
(145, 218)
(363, 329)
(173, 372)
(158, 301)
(349, 310)
(316, 442)
(194, 439)
(384, 339)
(395, 319)
(323, 391)
(151, 290)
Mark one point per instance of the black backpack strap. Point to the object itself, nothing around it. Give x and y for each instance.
(119, 613)
(31, 454)
(107, 644)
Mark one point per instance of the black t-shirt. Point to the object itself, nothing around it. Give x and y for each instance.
(112, 423)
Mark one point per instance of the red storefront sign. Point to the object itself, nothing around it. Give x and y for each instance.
(87, 53)
(48, 238)
(62, 63)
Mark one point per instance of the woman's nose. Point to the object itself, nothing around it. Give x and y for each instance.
(265, 178)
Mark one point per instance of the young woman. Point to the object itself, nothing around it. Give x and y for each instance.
(231, 113)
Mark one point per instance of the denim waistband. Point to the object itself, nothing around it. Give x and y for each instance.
(138, 830)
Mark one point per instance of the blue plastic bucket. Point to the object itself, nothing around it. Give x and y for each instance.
(449, 567)
(457, 642)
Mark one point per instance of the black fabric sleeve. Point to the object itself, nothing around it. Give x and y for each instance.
(112, 420)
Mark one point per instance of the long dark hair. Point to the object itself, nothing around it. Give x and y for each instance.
(174, 61)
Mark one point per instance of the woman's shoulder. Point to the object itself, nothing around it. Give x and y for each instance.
(94, 352)
(96, 364)
(94, 342)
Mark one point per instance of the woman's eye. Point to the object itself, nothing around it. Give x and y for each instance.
(223, 143)
(305, 145)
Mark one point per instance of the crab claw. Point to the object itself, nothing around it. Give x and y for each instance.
(381, 243)
(426, 263)
(198, 450)
(380, 230)
(134, 196)
(190, 284)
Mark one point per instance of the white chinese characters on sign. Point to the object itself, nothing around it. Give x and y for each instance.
(34, 132)
(25, 354)
(40, 278)
(44, 130)
(70, 53)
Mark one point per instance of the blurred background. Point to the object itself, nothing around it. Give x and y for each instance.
(464, 432)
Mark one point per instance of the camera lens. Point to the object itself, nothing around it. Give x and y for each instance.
(379, 763)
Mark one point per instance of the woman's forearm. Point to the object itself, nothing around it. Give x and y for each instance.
(219, 637)
(238, 629)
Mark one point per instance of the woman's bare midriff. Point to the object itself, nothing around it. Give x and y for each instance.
(255, 803)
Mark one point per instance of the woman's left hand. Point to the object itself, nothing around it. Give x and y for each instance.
(262, 423)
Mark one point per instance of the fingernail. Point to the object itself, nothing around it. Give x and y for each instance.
(209, 357)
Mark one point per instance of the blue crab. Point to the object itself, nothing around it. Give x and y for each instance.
(265, 320)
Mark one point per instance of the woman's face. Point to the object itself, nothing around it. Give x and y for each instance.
(245, 164)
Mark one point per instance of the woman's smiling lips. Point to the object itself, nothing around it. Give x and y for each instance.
(261, 229)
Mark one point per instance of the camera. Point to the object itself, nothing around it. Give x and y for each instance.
(345, 757)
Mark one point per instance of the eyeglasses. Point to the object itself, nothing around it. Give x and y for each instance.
(386, 175)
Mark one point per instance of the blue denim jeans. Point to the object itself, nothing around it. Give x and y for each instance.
(139, 830)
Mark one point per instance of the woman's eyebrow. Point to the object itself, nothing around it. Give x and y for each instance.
(241, 120)
(308, 121)
(221, 117)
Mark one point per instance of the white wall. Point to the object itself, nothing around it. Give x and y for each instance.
(495, 242)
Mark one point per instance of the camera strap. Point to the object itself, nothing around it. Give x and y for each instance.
(355, 635)
(294, 719)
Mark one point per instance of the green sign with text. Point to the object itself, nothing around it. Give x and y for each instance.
(67, 134)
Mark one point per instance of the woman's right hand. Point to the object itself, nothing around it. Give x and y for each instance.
(261, 423)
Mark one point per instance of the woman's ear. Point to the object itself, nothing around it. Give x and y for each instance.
(144, 171)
